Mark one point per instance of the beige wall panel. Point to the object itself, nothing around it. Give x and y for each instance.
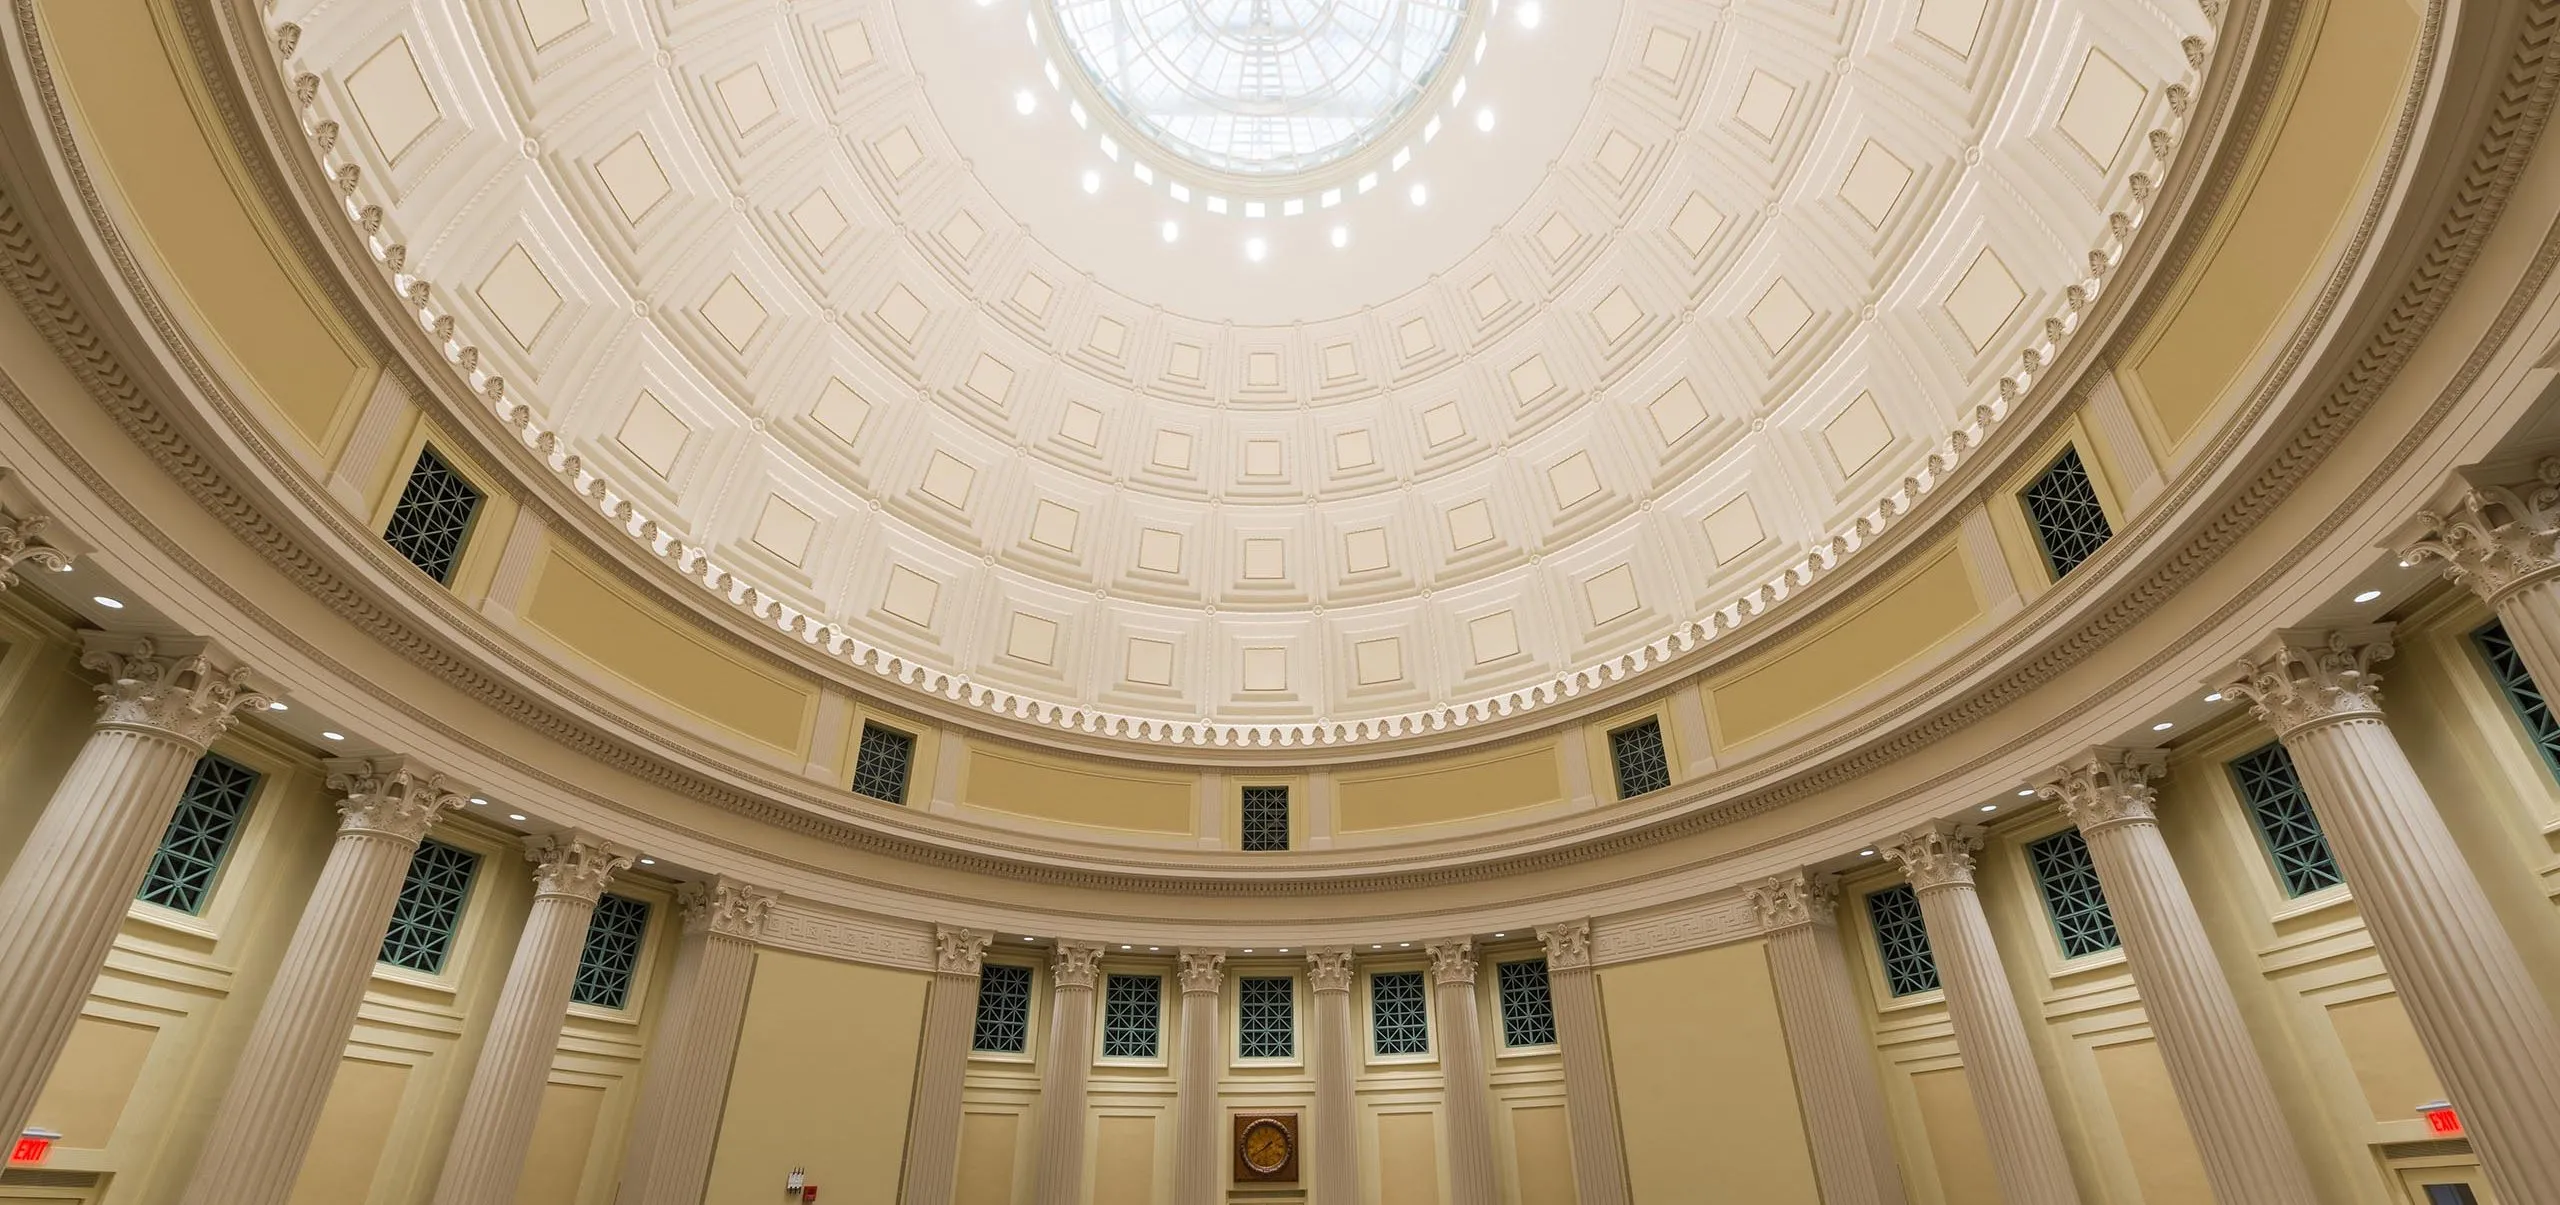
(125, 89)
(563, 1133)
(364, 1100)
(1408, 1159)
(2165, 1161)
(1956, 1144)
(1445, 790)
(988, 1143)
(2382, 1048)
(2304, 190)
(581, 607)
(1703, 1078)
(1124, 1160)
(1542, 1151)
(43, 722)
(826, 1064)
(1093, 794)
(1931, 602)
(93, 1080)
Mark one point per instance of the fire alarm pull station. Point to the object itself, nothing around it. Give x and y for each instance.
(808, 1192)
(792, 1183)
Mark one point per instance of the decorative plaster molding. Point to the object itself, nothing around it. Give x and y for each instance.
(1075, 965)
(1452, 961)
(1329, 970)
(1792, 901)
(1568, 945)
(1203, 971)
(180, 688)
(2303, 677)
(575, 864)
(2496, 538)
(829, 933)
(393, 796)
(960, 951)
(1936, 855)
(1716, 920)
(724, 908)
(2107, 786)
(22, 542)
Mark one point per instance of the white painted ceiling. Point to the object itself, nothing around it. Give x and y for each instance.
(798, 282)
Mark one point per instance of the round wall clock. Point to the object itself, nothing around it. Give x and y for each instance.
(1266, 1147)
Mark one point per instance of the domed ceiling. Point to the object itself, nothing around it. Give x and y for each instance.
(1250, 370)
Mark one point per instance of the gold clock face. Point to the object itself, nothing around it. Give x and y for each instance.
(1266, 1146)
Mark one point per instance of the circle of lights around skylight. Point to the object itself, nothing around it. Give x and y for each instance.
(1261, 88)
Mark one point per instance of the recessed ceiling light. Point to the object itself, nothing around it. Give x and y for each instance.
(1026, 939)
(1502, 935)
(1418, 194)
(1866, 853)
(1124, 947)
(1248, 949)
(1484, 120)
(1153, 949)
(333, 736)
(1530, 14)
(65, 567)
(1255, 249)
(112, 604)
(2368, 596)
(1377, 947)
(1092, 181)
(1341, 236)
(2215, 697)
(1172, 230)
(2163, 726)
(515, 815)
(1024, 102)
(1404, 945)
(278, 705)
(1284, 949)
(2023, 792)
(648, 861)
(1990, 807)
(478, 802)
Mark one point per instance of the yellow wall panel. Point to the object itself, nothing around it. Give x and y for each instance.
(1408, 1159)
(1956, 1142)
(1124, 1160)
(580, 606)
(2165, 1161)
(355, 1123)
(1930, 602)
(1449, 789)
(1092, 794)
(826, 1064)
(988, 1142)
(1542, 1151)
(2304, 191)
(124, 87)
(563, 1133)
(93, 1080)
(2382, 1047)
(1703, 1078)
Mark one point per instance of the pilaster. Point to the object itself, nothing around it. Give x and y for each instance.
(667, 1159)
(1590, 1099)
(1333, 1149)
(1199, 1154)
(1843, 1097)
(1468, 1095)
(1057, 1159)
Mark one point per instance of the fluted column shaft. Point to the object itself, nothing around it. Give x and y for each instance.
(495, 1129)
(64, 898)
(1198, 1155)
(1836, 1080)
(950, 1024)
(683, 1089)
(1057, 1157)
(1590, 1095)
(2222, 1086)
(1467, 1094)
(263, 1129)
(1333, 1149)
(2027, 1155)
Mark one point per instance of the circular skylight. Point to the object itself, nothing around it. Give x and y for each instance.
(1261, 87)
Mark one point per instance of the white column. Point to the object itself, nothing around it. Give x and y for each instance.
(2486, 1028)
(2502, 541)
(1057, 1156)
(1590, 1097)
(496, 1124)
(268, 1113)
(163, 701)
(685, 1086)
(1333, 1147)
(2017, 1117)
(1843, 1097)
(2222, 1085)
(1468, 1096)
(1199, 1154)
(942, 1070)
(22, 542)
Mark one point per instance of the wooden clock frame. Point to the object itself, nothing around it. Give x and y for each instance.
(1247, 1173)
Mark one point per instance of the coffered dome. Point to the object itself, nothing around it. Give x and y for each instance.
(1633, 318)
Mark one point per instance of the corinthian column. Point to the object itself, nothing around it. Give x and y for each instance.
(1844, 1115)
(273, 1104)
(1590, 1102)
(950, 1024)
(667, 1158)
(22, 543)
(1334, 1152)
(163, 701)
(2222, 1086)
(2503, 542)
(2485, 1027)
(1469, 1096)
(496, 1127)
(2017, 1118)
(1057, 1156)
(1198, 1153)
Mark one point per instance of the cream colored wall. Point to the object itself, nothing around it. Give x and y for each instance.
(825, 1070)
(1704, 1084)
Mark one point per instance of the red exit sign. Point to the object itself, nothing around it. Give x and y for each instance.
(32, 1147)
(2440, 1118)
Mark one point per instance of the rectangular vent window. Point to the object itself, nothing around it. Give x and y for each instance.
(2286, 825)
(1528, 1011)
(880, 764)
(1902, 940)
(2532, 708)
(199, 834)
(2063, 506)
(433, 516)
(1004, 1010)
(430, 907)
(1266, 1018)
(1399, 1020)
(1643, 765)
(1132, 1009)
(612, 955)
(1266, 819)
(2069, 880)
